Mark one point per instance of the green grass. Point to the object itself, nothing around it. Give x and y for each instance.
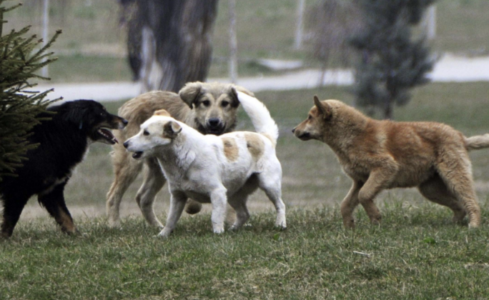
(265, 30)
(80, 68)
(415, 254)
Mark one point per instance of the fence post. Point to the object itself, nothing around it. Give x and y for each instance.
(431, 22)
(45, 31)
(233, 42)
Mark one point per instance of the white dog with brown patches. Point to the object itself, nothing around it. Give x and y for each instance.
(216, 169)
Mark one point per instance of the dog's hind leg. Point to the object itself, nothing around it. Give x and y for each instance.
(13, 206)
(54, 203)
(436, 191)
(152, 184)
(238, 203)
(126, 170)
(349, 204)
(271, 183)
(456, 172)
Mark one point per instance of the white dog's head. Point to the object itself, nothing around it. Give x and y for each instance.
(159, 130)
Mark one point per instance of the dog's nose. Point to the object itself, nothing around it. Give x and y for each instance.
(126, 144)
(214, 122)
(293, 130)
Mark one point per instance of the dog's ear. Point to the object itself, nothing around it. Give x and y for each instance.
(190, 92)
(161, 112)
(172, 129)
(324, 109)
(233, 94)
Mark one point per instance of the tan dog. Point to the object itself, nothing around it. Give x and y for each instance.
(208, 107)
(379, 155)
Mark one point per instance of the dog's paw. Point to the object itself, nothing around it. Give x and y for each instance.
(281, 222)
(114, 224)
(193, 207)
(164, 233)
(282, 226)
(218, 229)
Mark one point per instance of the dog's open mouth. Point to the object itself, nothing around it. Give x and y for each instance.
(214, 132)
(137, 155)
(216, 129)
(305, 136)
(107, 135)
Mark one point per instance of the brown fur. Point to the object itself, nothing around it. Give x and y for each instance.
(196, 104)
(162, 112)
(231, 150)
(379, 155)
(255, 145)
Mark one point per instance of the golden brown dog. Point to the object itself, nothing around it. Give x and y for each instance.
(208, 107)
(379, 155)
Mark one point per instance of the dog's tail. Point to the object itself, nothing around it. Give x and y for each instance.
(477, 142)
(259, 115)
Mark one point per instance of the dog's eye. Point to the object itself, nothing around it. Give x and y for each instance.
(224, 103)
(309, 117)
(206, 103)
(145, 132)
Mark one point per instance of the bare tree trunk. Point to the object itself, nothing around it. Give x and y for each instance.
(169, 41)
(233, 42)
(389, 101)
(300, 24)
(388, 109)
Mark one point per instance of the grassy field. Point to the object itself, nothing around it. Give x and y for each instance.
(92, 35)
(417, 253)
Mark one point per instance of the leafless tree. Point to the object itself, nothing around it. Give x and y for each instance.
(169, 41)
(331, 23)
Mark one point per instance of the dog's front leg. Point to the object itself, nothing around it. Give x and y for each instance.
(177, 203)
(219, 201)
(378, 180)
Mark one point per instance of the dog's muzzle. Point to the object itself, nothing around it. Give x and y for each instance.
(302, 135)
(136, 154)
(215, 126)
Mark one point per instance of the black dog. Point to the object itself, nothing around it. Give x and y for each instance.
(63, 142)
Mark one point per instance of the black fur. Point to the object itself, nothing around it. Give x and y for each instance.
(63, 141)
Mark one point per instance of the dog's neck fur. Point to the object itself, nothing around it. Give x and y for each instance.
(356, 124)
(176, 157)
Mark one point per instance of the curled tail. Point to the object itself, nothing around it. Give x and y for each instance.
(259, 115)
(477, 142)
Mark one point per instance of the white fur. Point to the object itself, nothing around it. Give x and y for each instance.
(259, 115)
(197, 167)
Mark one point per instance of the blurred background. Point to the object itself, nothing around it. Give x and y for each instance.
(93, 47)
